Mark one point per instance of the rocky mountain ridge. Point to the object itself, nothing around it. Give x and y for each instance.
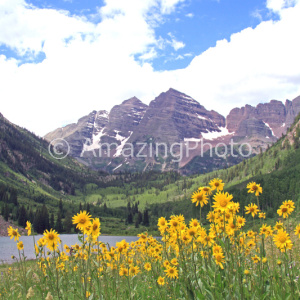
(171, 132)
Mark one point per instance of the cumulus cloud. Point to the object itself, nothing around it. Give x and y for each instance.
(91, 66)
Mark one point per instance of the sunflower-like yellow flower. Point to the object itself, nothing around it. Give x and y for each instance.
(171, 272)
(162, 224)
(217, 249)
(290, 204)
(255, 259)
(133, 270)
(219, 259)
(252, 209)
(262, 215)
(147, 266)
(194, 223)
(94, 228)
(28, 227)
(52, 239)
(217, 183)
(266, 230)
(82, 219)
(254, 188)
(278, 225)
(240, 221)
(206, 189)
(231, 227)
(222, 201)
(282, 240)
(297, 230)
(192, 232)
(161, 280)
(20, 245)
(284, 211)
(13, 233)
(123, 272)
(199, 197)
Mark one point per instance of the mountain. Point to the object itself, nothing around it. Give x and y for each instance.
(27, 165)
(174, 132)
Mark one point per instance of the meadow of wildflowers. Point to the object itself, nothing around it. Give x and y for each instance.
(190, 261)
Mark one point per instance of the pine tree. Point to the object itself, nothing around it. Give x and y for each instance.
(58, 225)
(60, 207)
(22, 216)
(129, 218)
(88, 209)
(146, 218)
(68, 223)
(13, 197)
(51, 221)
(6, 212)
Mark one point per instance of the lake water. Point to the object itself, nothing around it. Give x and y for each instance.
(8, 247)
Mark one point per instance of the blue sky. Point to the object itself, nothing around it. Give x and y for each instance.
(68, 57)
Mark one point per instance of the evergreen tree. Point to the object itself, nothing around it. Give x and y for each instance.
(30, 216)
(68, 224)
(146, 218)
(41, 220)
(129, 218)
(58, 225)
(60, 207)
(88, 209)
(13, 197)
(22, 216)
(6, 212)
(51, 221)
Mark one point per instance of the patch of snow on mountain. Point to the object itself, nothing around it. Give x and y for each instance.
(283, 125)
(94, 144)
(202, 118)
(119, 137)
(120, 147)
(270, 128)
(216, 134)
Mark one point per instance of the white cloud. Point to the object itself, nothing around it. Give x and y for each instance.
(168, 6)
(174, 43)
(190, 15)
(277, 6)
(95, 67)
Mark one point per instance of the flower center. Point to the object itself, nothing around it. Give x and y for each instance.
(223, 202)
(282, 239)
(199, 197)
(284, 209)
(82, 220)
(50, 236)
